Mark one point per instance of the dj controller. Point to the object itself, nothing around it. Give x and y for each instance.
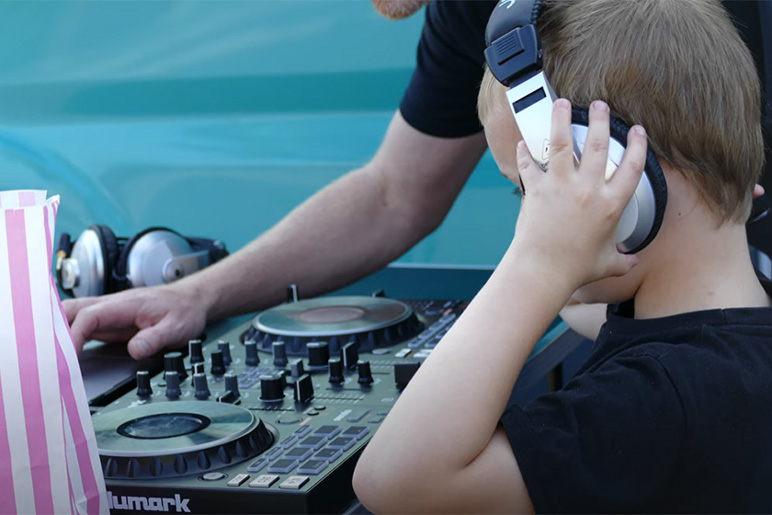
(269, 416)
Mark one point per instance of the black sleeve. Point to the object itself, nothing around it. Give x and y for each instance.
(441, 98)
(607, 442)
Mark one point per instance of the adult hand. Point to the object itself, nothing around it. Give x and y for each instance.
(569, 214)
(148, 318)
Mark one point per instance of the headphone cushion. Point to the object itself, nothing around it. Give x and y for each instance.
(109, 244)
(618, 131)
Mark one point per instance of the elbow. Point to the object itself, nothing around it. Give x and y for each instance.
(369, 488)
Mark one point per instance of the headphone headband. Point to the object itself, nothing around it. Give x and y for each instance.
(513, 49)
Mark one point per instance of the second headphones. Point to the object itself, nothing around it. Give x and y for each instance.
(98, 262)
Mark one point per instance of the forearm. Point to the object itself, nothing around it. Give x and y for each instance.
(344, 232)
(463, 387)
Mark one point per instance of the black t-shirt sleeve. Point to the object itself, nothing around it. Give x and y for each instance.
(607, 442)
(441, 98)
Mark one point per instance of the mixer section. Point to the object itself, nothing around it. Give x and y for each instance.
(269, 417)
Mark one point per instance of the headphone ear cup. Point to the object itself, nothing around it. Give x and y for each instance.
(652, 171)
(146, 255)
(110, 250)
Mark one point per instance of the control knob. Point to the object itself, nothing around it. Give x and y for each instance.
(195, 352)
(252, 358)
(318, 354)
(272, 387)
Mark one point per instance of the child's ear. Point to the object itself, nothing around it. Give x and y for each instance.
(758, 190)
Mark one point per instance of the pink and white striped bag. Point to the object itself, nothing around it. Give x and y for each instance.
(48, 454)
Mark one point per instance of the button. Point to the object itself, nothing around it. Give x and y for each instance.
(312, 412)
(342, 442)
(375, 420)
(403, 353)
(282, 466)
(328, 454)
(320, 408)
(383, 413)
(358, 416)
(314, 442)
(288, 442)
(213, 476)
(257, 466)
(312, 467)
(238, 480)
(298, 453)
(264, 481)
(274, 453)
(357, 432)
(294, 482)
(303, 430)
(288, 419)
(327, 431)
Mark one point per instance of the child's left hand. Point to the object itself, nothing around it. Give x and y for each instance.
(568, 218)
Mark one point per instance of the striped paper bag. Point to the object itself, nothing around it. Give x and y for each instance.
(48, 455)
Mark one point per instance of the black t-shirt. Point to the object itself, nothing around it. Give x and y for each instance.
(441, 98)
(667, 415)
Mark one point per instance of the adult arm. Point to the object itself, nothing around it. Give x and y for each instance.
(351, 228)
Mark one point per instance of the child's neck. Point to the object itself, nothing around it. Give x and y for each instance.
(709, 269)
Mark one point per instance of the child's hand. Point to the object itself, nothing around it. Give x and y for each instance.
(568, 217)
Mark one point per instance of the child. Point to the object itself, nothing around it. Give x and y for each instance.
(671, 412)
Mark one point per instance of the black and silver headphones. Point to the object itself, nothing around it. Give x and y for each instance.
(514, 55)
(98, 262)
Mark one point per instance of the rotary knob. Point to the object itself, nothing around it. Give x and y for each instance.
(172, 379)
(201, 386)
(272, 387)
(279, 354)
(174, 362)
(252, 358)
(218, 363)
(144, 389)
(225, 348)
(336, 371)
(365, 375)
(195, 351)
(318, 354)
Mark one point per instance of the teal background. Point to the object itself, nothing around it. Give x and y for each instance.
(213, 117)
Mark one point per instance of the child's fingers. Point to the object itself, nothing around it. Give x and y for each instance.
(628, 175)
(528, 168)
(595, 152)
(561, 141)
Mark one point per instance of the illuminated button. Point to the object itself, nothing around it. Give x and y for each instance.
(238, 480)
(282, 466)
(312, 467)
(294, 482)
(328, 454)
(357, 432)
(298, 453)
(264, 481)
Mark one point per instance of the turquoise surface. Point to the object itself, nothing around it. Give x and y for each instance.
(213, 117)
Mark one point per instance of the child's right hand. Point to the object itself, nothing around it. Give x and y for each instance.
(568, 217)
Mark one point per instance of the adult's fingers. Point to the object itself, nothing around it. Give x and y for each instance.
(105, 316)
(168, 331)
